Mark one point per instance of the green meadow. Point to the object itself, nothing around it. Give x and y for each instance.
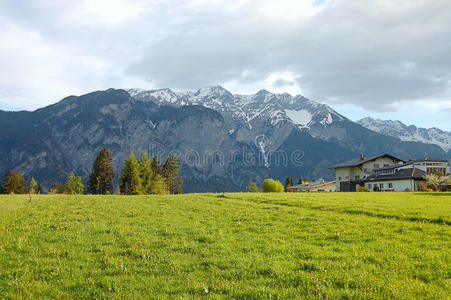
(236, 246)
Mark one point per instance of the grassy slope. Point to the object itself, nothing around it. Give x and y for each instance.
(242, 246)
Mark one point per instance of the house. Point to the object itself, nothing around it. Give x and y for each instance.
(395, 180)
(386, 173)
(314, 187)
(351, 174)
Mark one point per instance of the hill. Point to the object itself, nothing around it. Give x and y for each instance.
(378, 245)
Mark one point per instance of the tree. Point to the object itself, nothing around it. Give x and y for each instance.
(362, 189)
(32, 185)
(129, 182)
(158, 185)
(56, 188)
(306, 181)
(101, 177)
(156, 165)
(287, 183)
(69, 186)
(13, 183)
(435, 181)
(272, 186)
(300, 180)
(39, 189)
(291, 180)
(179, 185)
(79, 187)
(252, 187)
(170, 172)
(145, 172)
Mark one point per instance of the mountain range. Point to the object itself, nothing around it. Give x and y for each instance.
(409, 133)
(221, 139)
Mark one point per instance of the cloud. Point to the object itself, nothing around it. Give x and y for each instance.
(378, 55)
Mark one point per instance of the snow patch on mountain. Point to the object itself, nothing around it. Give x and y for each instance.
(299, 117)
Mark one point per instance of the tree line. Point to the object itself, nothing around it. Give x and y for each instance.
(144, 175)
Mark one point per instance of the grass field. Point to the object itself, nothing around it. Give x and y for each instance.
(243, 246)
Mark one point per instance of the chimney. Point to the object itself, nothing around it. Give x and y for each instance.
(362, 156)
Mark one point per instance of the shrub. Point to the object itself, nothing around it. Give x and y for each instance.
(362, 189)
(272, 186)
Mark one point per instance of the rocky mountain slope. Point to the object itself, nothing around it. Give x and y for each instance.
(221, 139)
(411, 133)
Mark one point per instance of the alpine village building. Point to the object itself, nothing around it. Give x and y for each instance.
(385, 172)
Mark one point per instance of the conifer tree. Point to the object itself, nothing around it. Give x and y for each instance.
(158, 185)
(69, 186)
(32, 185)
(300, 180)
(13, 183)
(101, 177)
(39, 189)
(291, 180)
(179, 185)
(287, 183)
(156, 165)
(170, 172)
(145, 172)
(129, 182)
(79, 187)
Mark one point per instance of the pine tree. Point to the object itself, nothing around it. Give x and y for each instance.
(39, 189)
(287, 183)
(69, 186)
(170, 172)
(13, 183)
(158, 185)
(179, 186)
(156, 165)
(300, 180)
(79, 187)
(291, 180)
(101, 177)
(32, 185)
(129, 182)
(145, 172)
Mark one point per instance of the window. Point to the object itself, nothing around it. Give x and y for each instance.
(381, 185)
(339, 178)
(390, 185)
(369, 186)
(386, 165)
(376, 166)
(347, 177)
(357, 177)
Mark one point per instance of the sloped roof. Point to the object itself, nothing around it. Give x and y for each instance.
(411, 173)
(358, 161)
(411, 162)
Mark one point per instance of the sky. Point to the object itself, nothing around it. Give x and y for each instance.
(387, 59)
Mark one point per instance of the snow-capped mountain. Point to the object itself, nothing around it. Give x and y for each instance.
(242, 110)
(410, 133)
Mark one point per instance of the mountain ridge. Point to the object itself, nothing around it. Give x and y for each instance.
(412, 133)
(221, 139)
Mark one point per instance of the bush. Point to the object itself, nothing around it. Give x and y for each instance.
(272, 186)
(363, 189)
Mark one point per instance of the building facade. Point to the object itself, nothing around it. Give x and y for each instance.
(386, 173)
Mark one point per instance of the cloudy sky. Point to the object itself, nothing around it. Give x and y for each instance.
(387, 59)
